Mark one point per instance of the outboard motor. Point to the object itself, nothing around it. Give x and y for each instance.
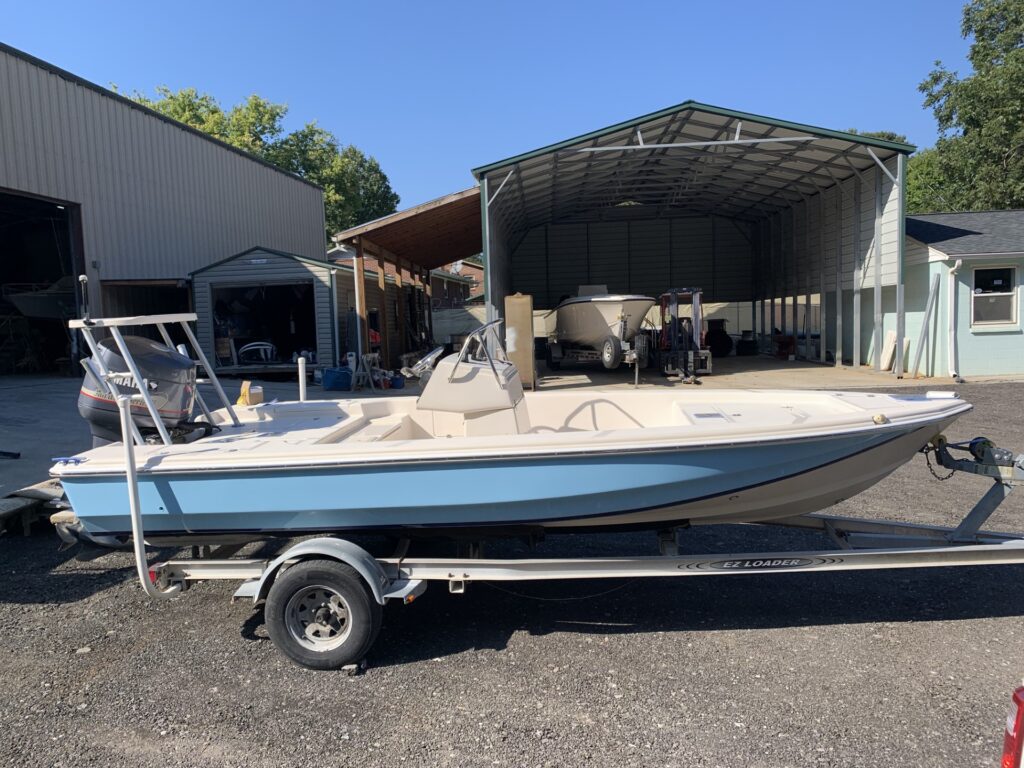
(172, 386)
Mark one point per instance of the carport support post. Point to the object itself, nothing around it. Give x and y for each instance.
(901, 235)
(839, 276)
(382, 284)
(335, 343)
(762, 281)
(783, 274)
(822, 302)
(485, 223)
(858, 265)
(400, 308)
(429, 292)
(359, 275)
(807, 279)
(796, 281)
(772, 283)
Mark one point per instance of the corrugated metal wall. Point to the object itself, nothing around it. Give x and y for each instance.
(812, 255)
(802, 248)
(263, 268)
(157, 201)
(640, 256)
(786, 257)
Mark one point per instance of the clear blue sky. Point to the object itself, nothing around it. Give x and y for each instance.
(432, 89)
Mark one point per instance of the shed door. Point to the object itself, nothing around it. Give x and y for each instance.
(264, 324)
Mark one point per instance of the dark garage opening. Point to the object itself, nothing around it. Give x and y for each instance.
(127, 298)
(38, 268)
(263, 324)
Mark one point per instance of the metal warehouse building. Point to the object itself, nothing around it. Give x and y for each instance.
(774, 215)
(92, 183)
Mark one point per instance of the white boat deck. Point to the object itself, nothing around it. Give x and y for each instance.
(334, 432)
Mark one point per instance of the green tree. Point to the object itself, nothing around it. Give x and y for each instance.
(978, 161)
(897, 138)
(928, 189)
(356, 189)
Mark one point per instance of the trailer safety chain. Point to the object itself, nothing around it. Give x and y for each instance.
(927, 451)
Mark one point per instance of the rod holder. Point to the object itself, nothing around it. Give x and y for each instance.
(302, 379)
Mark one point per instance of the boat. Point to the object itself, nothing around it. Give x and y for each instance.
(474, 454)
(53, 302)
(595, 320)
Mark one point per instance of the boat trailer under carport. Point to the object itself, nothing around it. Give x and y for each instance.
(820, 212)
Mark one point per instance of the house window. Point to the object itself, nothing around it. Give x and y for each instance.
(994, 300)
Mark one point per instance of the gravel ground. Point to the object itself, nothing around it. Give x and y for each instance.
(896, 668)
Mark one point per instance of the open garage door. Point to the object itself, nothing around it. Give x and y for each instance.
(39, 263)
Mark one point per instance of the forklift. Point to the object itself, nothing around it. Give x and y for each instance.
(681, 344)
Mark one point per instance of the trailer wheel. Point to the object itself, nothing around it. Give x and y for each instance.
(320, 614)
(611, 353)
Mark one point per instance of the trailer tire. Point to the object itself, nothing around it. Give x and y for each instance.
(321, 614)
(611, 353)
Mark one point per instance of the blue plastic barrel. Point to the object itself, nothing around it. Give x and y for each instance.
(398, 382)
(337, 379)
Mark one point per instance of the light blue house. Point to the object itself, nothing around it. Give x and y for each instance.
(969, 266)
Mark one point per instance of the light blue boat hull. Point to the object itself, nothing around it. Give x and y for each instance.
(579, 491)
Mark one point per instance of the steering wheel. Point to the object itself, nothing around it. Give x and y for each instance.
(425, 364)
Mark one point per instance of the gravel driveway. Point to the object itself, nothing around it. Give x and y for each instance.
(897, 668)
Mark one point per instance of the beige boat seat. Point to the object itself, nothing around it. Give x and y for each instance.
(489, 399)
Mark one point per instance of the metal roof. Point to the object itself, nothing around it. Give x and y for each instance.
(429, 235)
(974, 233)
(71, 77)
(262, 249)
(692, 157)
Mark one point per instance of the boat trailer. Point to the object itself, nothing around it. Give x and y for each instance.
(324, 596)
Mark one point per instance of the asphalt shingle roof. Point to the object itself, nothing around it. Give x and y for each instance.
(970, 233)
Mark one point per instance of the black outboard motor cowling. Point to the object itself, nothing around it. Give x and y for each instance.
(172, 386)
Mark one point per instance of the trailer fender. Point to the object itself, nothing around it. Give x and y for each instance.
(332, 549)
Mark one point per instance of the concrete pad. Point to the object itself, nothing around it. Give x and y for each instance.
(757, 372)
(39, 418)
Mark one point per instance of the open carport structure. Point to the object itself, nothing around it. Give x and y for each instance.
(779, 215)
(413, 242)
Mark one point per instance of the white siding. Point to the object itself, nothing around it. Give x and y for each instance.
(915, 252)
(890, 224)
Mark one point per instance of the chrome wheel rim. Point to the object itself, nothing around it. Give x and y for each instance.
(318, 618)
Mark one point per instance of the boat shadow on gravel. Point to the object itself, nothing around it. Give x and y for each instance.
(486, 617)
(37, 571)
